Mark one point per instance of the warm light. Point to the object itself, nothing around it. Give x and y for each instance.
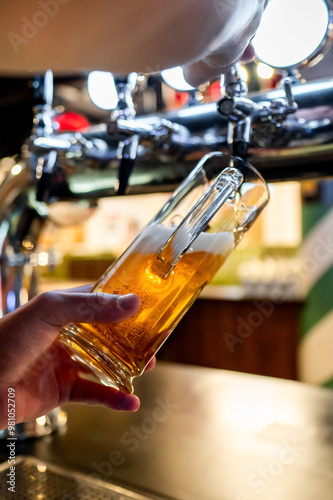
(43, 259)
(41, 420)
(264, 71)
(243, 74)
(102, 90)
(132, 80)
(27, 244)
(16, 169)
(282, 218)
(174, 77)
(290, 31)
(41, 468)
(24, 297)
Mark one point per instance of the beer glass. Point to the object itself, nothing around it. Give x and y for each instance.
(168, 265)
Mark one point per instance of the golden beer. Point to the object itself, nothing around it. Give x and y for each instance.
(168, 265)
(127, 347)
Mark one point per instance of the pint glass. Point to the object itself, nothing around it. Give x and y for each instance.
(168, 265)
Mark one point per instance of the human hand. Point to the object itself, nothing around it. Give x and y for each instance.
(39, 369)
(233, 42)
(205, 36)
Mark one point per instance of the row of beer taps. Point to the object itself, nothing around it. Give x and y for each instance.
(125, 138)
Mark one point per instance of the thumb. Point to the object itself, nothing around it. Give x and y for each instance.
(31, 329)
(213, 66)
(61, 307)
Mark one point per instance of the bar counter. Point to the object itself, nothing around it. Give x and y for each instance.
(204, 434)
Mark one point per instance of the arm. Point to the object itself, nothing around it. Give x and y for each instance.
(122, 35)
(35, 367)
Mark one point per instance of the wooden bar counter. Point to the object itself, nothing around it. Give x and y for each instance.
(204, 434)
(226, 328)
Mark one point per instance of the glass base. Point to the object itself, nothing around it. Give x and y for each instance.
(105, 367)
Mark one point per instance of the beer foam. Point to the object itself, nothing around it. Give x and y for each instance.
(152, 238)
(217, 243)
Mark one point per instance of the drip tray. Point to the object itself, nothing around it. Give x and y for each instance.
(37, 480)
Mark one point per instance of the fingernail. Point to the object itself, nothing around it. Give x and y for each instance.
(128, 301)
(128, 402)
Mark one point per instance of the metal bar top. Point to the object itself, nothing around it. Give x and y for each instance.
(204, 434)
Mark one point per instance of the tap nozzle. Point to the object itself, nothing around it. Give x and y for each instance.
(238, 110)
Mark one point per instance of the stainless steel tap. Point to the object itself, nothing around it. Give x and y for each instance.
(166, 147)
(243, 114)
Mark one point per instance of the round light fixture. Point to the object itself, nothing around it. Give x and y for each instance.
(243, 73)
(264, 71)
(292, 32)
(102, 90)
(174, 77)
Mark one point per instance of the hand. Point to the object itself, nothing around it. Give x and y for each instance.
(39, 369)
(205, 35)
(233, 42)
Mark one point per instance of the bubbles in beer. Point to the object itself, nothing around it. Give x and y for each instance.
(164, 300)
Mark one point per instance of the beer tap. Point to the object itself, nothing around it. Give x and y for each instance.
(128, 137)
(154, 135)
(42, 165)
(244, 115)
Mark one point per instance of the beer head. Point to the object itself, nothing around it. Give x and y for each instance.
(152, 238)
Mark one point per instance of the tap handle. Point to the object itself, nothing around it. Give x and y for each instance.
(43, 97)
(288, 91)
(44, 175)
(287, 85)
(125, 87)
(43, 89)
(127, 161)
(232, 83)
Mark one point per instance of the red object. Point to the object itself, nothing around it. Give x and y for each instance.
(71, 121)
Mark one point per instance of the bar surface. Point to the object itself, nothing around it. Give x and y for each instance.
(205, 434)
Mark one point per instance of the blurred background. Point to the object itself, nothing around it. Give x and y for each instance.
(255, 316)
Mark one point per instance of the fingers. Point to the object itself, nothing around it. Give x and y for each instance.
(248, 54)
(230, 44)
(60, 308)
(29, 331)
(151, 364)
(82, 288)
(201, 72)
(85, 391)
(211, 68)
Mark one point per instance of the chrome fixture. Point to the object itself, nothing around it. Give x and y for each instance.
(294, 34)
(166, 148)
(243, 115)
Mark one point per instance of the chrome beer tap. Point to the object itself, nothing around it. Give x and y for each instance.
(42, 165)
(57, 160)
(128, 137)
(153, 136)
(22, 217)
(246, 117)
